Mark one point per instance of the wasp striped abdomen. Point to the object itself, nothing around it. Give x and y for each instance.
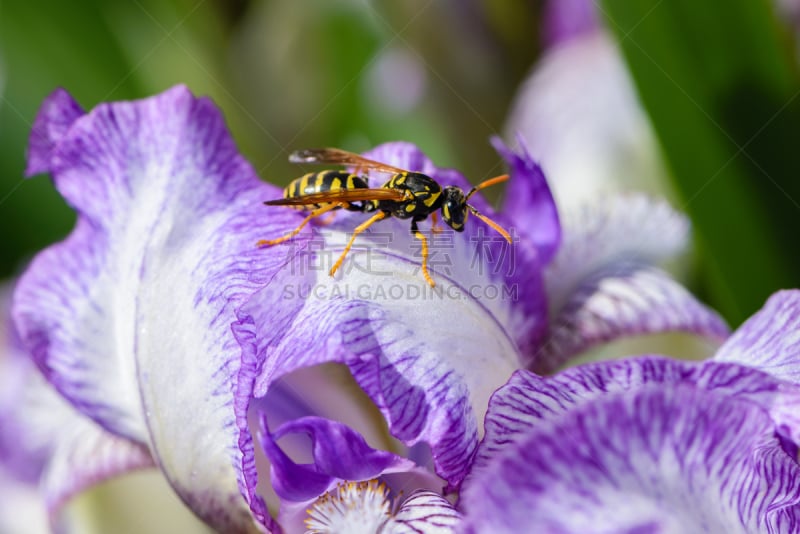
(325, 182)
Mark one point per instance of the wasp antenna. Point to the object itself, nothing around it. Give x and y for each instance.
(487, 183)
(491, 223)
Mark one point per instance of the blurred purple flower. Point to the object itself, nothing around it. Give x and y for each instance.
(565, 20)
(173, 336)
(579, 113)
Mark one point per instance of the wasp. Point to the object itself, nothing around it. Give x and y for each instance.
(407, 195)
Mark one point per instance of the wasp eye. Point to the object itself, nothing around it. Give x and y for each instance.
(454, 208)
(459, 215)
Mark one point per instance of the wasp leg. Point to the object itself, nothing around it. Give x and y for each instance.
(327, 220)
(316, 213)
(360, 228)
(435, 228)
(419, 235)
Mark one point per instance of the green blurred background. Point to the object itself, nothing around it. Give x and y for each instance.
(287, 74)
(719, 80)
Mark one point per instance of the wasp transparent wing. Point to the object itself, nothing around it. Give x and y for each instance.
(335, 156)
(346, 195)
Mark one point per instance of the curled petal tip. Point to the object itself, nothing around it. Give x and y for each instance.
(57, 114)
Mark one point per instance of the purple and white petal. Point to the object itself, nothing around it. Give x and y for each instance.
(618, 229)
(624, 299)
(338, 454)
(770, 339)
(365, 507)
(654, 459)
(44, 435)
(779, 398)
(57, 114)
(45, 443)
(529, 400)
(75, 452)
(425, 512)
(130, 316)
(430, 388)
(429, 358)
(601, 285)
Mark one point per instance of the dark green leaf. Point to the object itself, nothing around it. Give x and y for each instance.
(718, 80)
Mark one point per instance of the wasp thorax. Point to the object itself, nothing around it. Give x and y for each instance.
(454, 207)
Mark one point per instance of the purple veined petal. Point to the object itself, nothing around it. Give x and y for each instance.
(423, 396)
(528, 400)
(325, 391)
(314, 391)
(770, 339)
(624, 300)
(532, 222)
(339, 454)
(130, 317)
(600, 285)
(620, 229)
(366, 507)
(59, 111)
(565, 20)
(428, 364)
(425, 512)
(428, 358)
(654, 459)
(45, 443)
(777, 397)
(591, 143)
(529, 204)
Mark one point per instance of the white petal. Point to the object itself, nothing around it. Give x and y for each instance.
(625, 300)
(582, 120)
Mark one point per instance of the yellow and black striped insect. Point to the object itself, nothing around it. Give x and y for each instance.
(407, 195)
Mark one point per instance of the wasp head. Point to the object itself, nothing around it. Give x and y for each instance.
(454, 207)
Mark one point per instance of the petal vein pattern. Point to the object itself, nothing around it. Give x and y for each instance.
(130, 316)
(428, 358)
(654, 459)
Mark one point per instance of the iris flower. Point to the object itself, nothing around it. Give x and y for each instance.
(191, 350)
